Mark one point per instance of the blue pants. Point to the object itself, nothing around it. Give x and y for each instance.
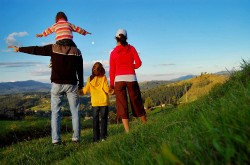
(57, 92)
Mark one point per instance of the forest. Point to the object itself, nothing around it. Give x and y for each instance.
(154, 93)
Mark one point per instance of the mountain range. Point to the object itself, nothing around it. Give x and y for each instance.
(35, 86)
(23, 87)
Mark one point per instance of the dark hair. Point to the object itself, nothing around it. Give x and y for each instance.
(60, 15)
(97, 70)
(122, 39)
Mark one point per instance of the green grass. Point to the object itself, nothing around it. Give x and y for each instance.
(215, 129)
(32, 127)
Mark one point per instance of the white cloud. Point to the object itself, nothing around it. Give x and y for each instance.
(87, 66)
(164, 65)
(18, 64)
(11, 39)
(48, 43)
(44, 71)
(41, 70)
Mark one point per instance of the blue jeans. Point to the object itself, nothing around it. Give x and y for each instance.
(57, 92)
(100, 129)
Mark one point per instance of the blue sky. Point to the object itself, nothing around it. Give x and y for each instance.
(173, 37)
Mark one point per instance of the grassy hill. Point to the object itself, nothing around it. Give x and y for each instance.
(44, 105)
(182, 91)
(152, 84)
(201, 85)
(214, 129)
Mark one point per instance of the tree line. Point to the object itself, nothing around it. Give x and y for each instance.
(15, 106)
(164, 94)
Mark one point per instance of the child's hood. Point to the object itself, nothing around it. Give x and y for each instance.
(97, 81)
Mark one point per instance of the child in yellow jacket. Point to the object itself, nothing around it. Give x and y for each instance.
(97, 86)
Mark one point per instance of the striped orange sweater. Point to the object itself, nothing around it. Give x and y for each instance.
(63, 30)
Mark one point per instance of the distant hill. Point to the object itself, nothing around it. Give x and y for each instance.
(35, 86)
(181, 91)
(23, 87)
(223, 73)
(202, 85)
(154, 83)
(184, 77)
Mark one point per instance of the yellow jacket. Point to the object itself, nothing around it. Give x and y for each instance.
(99, 89)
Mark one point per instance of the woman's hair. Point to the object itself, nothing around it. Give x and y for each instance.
(60, 15)
(122, 39)
(97, 70)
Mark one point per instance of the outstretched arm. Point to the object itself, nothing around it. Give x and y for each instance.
(16, 49)
(35, 50)
(46, 32)
(39, 35)
(79, 30)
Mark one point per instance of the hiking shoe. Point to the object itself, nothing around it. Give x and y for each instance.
(76, 141)
(57, 143)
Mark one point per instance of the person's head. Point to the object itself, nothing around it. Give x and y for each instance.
(121, 36)
(61, 15)
(97, 70)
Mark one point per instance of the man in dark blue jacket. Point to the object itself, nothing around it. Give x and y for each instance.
(66, 79)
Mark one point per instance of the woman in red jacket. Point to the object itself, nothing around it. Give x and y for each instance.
(124, 59)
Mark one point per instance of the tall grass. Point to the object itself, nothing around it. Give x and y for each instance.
(212, 130)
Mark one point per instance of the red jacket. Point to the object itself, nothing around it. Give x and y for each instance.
(123, 61)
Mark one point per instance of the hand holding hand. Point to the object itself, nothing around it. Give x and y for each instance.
(16, 49)
(111, 91)
(80, 92)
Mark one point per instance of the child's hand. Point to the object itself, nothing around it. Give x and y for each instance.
(39, 35)
(80, 92)
(16, 49)
(111, 91)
